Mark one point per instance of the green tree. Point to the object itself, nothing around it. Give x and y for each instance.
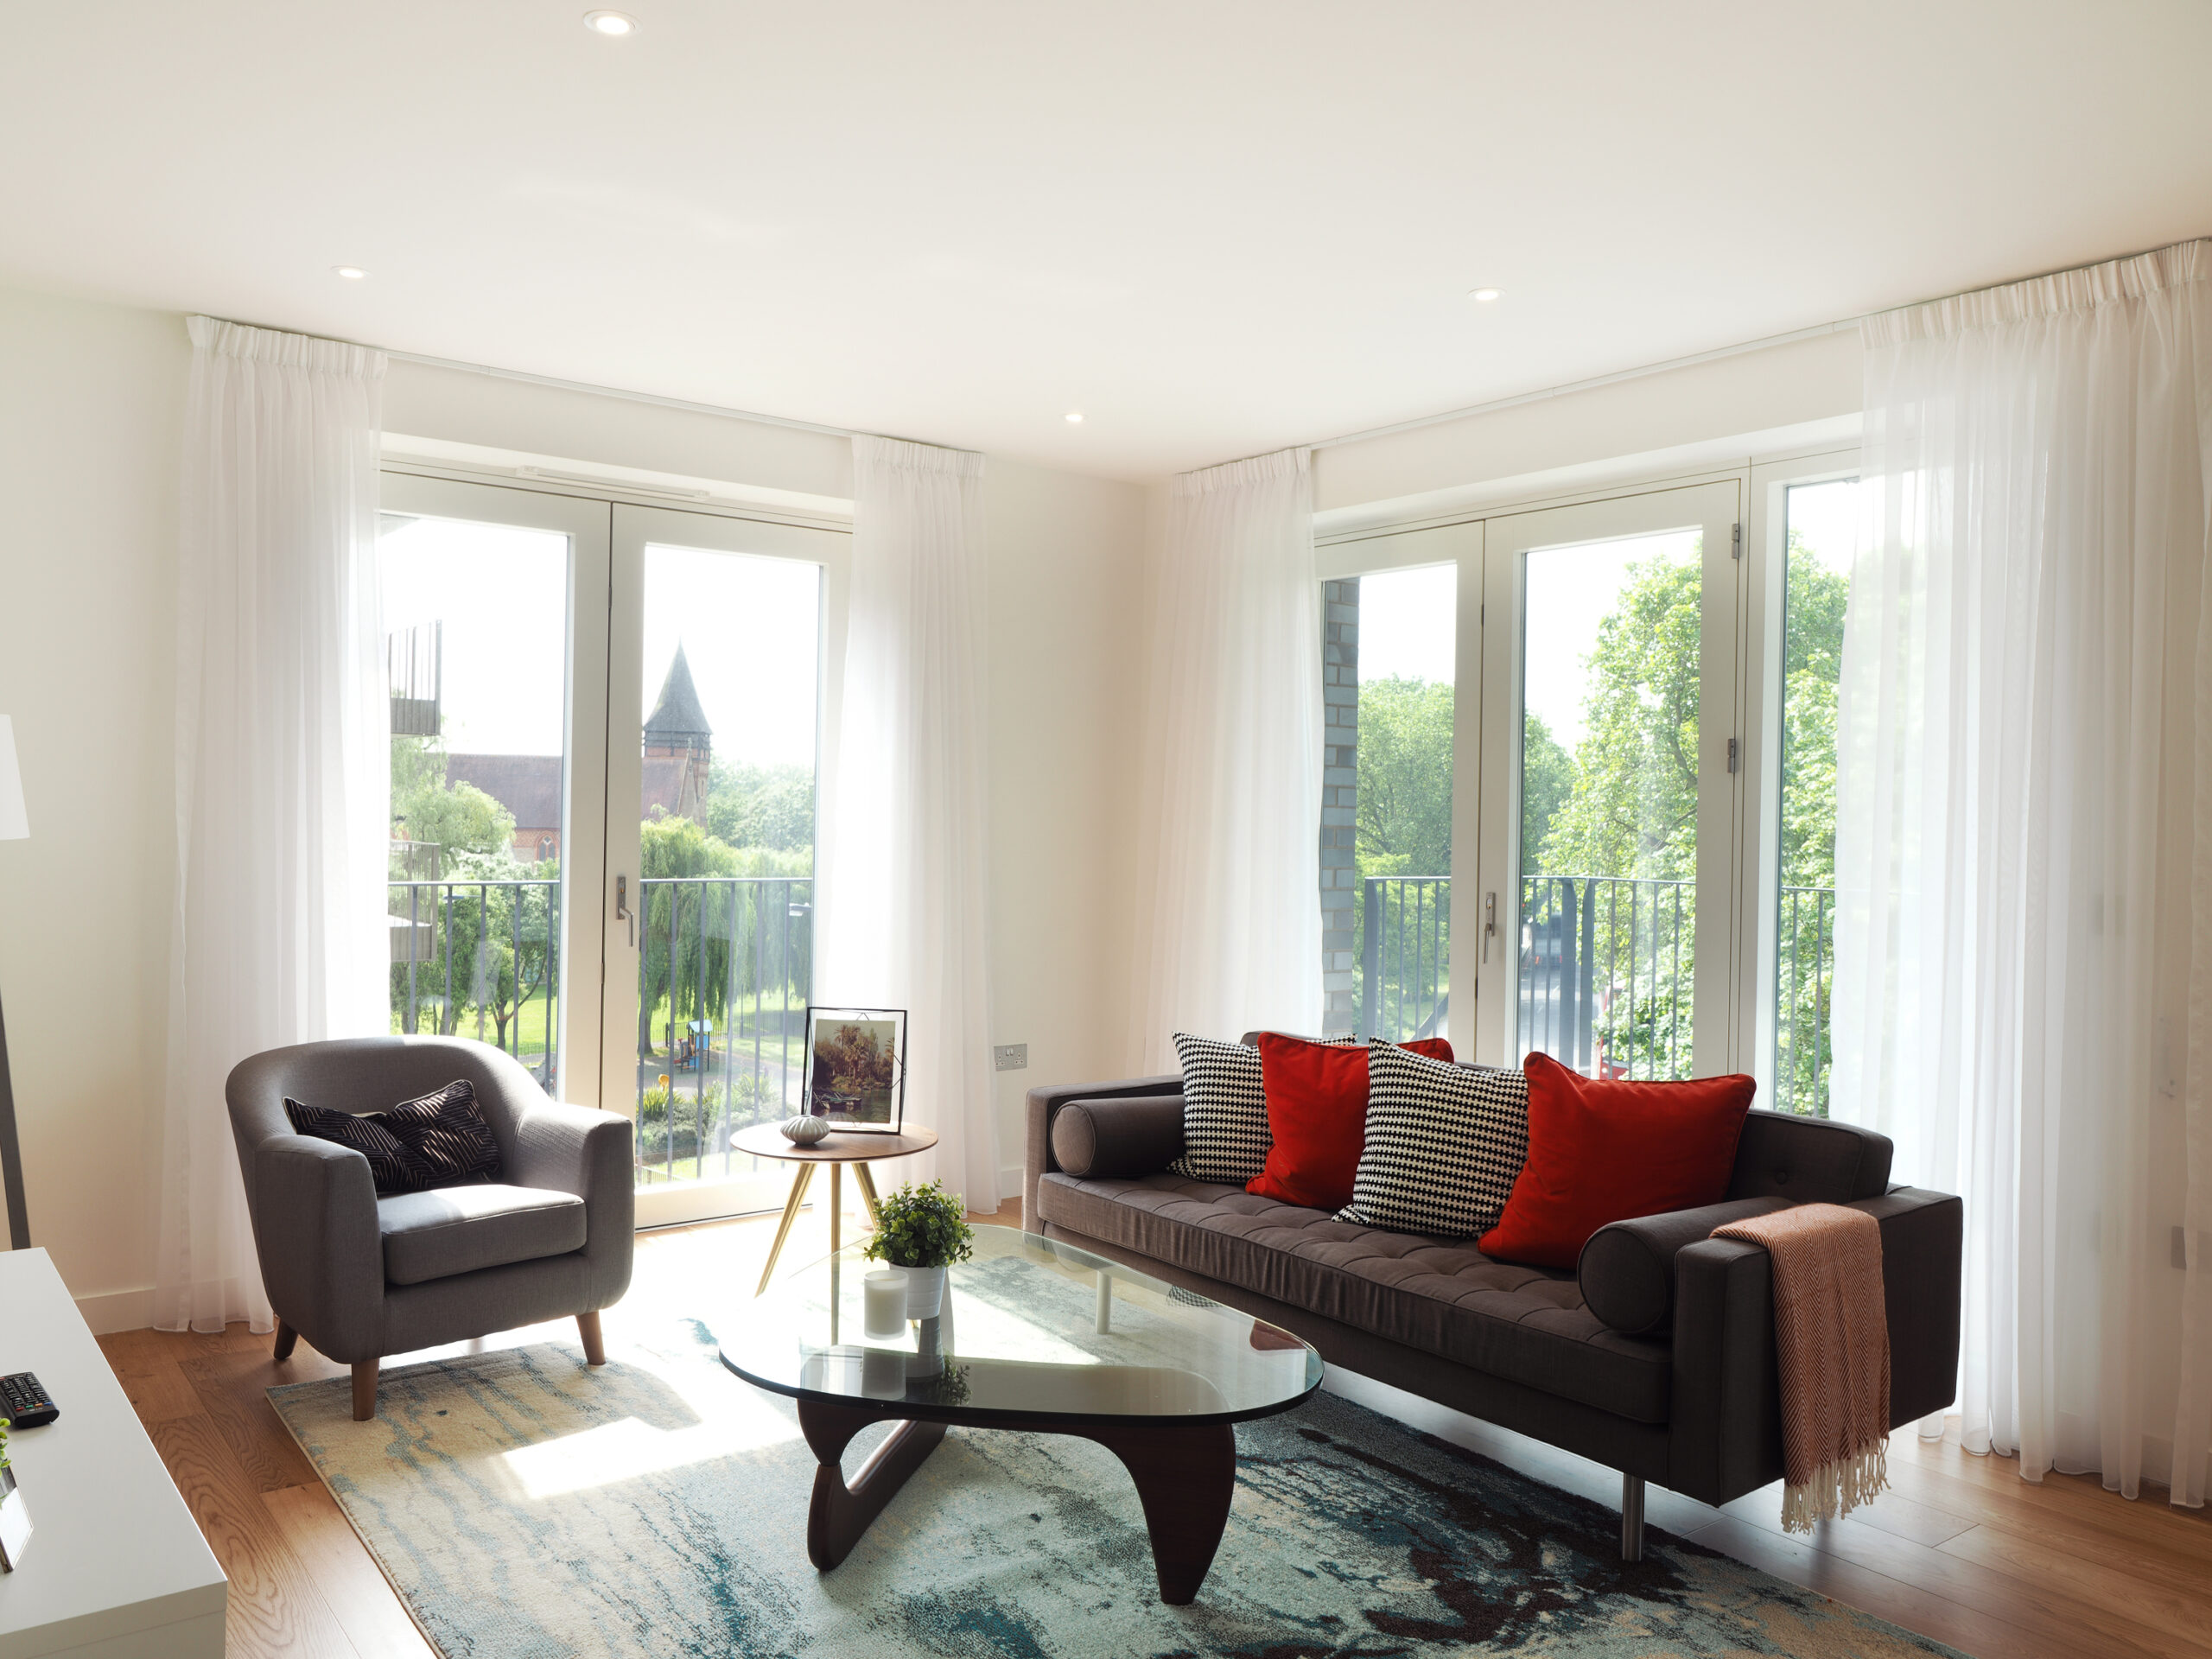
(1404, 812)
(1402, 827)
(1815, 600)
(458, 817)
(1547, 781)
(761, 806)
(1633, 810)
(687, 926)
(490, 941)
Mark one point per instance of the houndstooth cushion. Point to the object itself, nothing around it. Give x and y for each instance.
(1444, 1143)
(1226, 1136)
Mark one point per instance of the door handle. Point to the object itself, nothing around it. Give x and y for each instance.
(622, 911)
(1490, 922)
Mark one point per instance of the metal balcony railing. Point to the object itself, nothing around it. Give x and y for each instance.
(1606, 973)
(480, 958)
(1805, 972)
(1405, 938)
(725, 963)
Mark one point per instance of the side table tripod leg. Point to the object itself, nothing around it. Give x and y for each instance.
(783, 1227)
(867, 1193)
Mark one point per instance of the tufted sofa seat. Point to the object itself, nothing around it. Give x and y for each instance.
(1526, 1325)
(1657, 1358)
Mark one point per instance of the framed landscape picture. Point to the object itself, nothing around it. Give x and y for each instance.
(857, 1068)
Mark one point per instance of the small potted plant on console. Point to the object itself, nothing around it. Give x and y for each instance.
(924, 1230)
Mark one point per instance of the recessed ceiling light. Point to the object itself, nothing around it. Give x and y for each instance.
(610, 22)
(1075, 418)
(350, 273)
(1484, 296)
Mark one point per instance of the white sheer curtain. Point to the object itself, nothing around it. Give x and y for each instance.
(278, 931)
(2034, 483)
(902, 913)
(1230, 939)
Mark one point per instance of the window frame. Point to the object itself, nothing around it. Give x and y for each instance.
(1460, 546)
(585, 524)
(1752, 821)
(595, 1069)
(1766, 535)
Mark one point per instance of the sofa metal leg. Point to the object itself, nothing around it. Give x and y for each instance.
(594, 1344)
(1631, 1517)
(286, 1339)
(365, 1390)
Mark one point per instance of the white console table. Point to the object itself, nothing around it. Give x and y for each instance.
(117, 1568)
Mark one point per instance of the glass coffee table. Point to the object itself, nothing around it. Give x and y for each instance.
(1033, 1335)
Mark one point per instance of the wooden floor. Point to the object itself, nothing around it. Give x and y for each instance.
(1962, 1550)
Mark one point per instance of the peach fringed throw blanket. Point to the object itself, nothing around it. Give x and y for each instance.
(1832, 1343)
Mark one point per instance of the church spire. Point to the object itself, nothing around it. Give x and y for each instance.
(678, 721)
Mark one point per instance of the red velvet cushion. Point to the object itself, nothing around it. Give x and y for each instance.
(1317, 1114)
(1606, 1152)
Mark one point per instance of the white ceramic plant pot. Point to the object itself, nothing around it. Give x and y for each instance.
(925, 1292)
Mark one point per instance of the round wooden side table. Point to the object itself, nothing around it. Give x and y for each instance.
(767, 1140)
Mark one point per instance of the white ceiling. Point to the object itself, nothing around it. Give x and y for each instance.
(1216, 229)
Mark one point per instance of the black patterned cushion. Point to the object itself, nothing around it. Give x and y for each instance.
(391, 1166)
(1444, 1144)
(441, 1140)
(1225, 1136)
(446, 1131)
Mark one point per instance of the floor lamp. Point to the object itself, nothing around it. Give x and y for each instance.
(13, 826)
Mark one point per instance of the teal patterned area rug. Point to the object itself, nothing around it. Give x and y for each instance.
(524, 1505)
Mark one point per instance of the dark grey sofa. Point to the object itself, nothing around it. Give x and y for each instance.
(1680, 1388)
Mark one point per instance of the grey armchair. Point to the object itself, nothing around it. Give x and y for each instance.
(361, 1277)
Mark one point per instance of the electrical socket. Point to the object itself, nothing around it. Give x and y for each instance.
(1010, 1057)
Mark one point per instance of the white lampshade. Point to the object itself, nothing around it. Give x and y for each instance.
(14, 825)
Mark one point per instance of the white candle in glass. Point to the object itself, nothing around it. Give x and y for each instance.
(884, 1298)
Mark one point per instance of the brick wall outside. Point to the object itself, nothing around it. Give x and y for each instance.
(1339, 782)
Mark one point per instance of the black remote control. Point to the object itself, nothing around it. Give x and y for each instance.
(24, 1401)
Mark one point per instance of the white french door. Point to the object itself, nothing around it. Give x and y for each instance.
(1605, 835)
(608, 728)
(723, 674)
(496, 646)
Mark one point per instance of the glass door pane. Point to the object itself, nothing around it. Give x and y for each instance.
(1613, 783)
(478, 617)
(1609, 788)
(1821, 523)
(721, 762)
(1400, 650)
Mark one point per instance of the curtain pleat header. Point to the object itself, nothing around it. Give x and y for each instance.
(916, 457)
(2084, 289)
(1235, 474)
(272, 346)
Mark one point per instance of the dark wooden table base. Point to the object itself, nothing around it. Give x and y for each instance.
(1185, 1478)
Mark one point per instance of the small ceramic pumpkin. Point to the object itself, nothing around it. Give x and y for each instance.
(804, 1131)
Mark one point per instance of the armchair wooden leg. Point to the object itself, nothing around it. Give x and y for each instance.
(365, 1390)
(595, 1343)
(286, 1339)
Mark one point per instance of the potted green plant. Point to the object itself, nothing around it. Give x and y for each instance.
(922, 1231)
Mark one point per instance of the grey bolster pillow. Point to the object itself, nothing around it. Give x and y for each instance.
(1627, 1269)
(1104, 1139)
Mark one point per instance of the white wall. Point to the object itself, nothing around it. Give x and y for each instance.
(1066, 690)
(1712, 408)
(92, 408)
(90, 431)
